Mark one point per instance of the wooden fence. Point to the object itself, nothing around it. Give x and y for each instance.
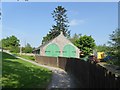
(87, 74)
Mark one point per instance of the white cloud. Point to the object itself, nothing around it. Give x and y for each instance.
(76, 22)
(73, 12)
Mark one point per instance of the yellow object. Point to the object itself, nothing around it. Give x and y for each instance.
(100, 55)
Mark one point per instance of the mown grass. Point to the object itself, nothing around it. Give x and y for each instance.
(21, 74)
(27, 57)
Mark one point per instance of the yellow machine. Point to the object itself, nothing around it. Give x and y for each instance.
(100, 55)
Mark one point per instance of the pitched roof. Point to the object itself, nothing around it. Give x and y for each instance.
(44, 44)
(52, 40)
(61, 33)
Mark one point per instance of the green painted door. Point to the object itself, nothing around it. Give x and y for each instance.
(52, 50)
(69, 51)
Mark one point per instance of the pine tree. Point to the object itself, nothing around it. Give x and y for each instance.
(61, 19)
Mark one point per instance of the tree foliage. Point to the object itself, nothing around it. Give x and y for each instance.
(86, 44)
(61, 19)
(75, 37)
(115, 43)
(11, 43)
(27, 48)
(103, 48)
(14, 49)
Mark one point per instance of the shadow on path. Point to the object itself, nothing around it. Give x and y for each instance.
(62, 79)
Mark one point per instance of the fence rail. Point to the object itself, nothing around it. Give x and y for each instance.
(88, 75)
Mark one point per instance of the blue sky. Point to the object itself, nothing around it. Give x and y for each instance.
(31, 21)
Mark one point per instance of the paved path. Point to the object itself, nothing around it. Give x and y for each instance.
(60, 78)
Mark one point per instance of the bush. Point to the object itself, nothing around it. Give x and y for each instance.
(15, 49)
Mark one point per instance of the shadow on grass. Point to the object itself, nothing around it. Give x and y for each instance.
(6, 56)
(22, 75)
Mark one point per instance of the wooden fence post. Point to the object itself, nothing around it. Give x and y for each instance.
(57, 61)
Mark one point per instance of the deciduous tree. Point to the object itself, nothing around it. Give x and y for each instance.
(75, 37)
(86, 44)
(11, 43)
(27, 48)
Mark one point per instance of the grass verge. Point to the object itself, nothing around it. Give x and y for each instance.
(21, 74)
(27, 57)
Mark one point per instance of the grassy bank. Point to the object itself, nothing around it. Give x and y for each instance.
(20, 74)
(27, 57)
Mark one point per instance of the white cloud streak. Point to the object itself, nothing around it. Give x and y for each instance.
(76, 22)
